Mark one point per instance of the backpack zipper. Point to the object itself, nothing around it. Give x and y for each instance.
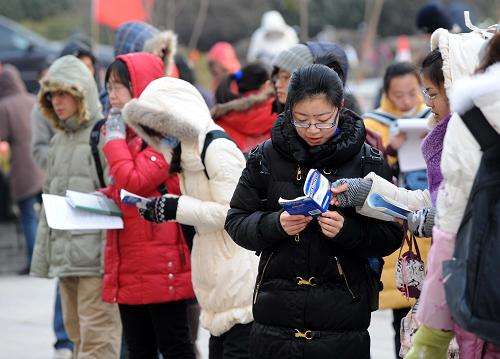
(342, 274)
(261, 278)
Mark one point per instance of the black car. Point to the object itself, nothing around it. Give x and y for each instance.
(32, 53)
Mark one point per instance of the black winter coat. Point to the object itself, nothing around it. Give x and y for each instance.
(312, 296)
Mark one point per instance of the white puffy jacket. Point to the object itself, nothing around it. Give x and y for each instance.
(223, 273)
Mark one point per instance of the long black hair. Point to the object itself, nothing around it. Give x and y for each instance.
(313, 80)
(250, 78)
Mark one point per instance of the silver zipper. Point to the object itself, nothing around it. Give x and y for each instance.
(261, 278)
(342, 274)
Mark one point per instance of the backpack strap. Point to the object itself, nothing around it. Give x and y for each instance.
(480, 128)
(381, 117)
(209, 137)
(371, 160)
(424, 113)
(95, 136)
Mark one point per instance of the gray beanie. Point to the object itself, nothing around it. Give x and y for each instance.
(293, 58)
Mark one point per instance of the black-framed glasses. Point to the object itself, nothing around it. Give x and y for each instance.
(323, 125)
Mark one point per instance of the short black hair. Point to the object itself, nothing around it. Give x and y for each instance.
(399, 69)
(119, 71)
(312, 80)
(432, 67)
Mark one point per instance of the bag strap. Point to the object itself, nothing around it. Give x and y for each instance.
(209, 137)
(417, 250)
(480, 128)
(95, 135)
(371, 160)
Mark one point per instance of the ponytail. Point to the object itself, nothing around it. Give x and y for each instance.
(249, 78)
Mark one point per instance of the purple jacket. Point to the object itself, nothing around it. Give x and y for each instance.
(432, 146)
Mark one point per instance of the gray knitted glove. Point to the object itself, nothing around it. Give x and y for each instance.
(357, 191)
(420, 223)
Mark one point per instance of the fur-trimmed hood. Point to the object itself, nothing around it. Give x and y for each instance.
(466, 92)
(69, 74)
(460, 53)
(241, 104)
(163, 45)
(169, 107)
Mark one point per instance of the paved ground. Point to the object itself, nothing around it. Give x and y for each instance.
(26, 306)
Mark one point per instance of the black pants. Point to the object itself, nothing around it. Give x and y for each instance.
(233, 344)
(152, 328)
(398, 315)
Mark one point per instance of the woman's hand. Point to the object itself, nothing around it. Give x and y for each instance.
(293, 224)
(331, 222)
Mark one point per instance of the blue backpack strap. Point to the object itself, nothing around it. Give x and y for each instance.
(209, 137)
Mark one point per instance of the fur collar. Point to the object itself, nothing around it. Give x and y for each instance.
(468, 90)
(241, 104)
(163, 45)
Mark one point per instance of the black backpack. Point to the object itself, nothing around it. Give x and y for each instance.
(472, 276)
(372, 160)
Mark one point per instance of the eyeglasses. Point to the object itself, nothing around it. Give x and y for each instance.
(428, 97)
(322, 125)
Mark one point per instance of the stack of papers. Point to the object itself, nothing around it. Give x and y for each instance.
(92, 203)
(410, 156)
(316, 199)
(63, 216)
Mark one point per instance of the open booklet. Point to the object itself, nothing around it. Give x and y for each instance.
(133, 199)
(63, 216)
(387, 206)
(92, 203)
(316, 199)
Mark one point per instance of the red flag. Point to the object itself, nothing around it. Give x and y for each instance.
(113, 13)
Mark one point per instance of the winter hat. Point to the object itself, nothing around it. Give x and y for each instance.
(224, 53)
(293, 58)
(131, 36)
(432, 17)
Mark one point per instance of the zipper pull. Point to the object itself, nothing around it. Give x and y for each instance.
(299, 173)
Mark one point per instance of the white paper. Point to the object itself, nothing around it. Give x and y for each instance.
(410, 156)
(60, 215)
(133, 199)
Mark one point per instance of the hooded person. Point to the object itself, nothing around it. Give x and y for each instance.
(173, 118)
(26, 178)
(137, 36)
(222, 61)
(272, 37)
(163, 261)
(248, 116)
(69, 99)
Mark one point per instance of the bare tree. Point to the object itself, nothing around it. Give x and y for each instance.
(304, 19)
(373, 9)
(199, 24)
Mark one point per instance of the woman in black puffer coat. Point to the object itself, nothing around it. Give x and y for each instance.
(315, 289)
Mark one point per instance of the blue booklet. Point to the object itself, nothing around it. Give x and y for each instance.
(316, 199)
(387, 206)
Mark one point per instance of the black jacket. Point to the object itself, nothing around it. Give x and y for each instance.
(308, 282)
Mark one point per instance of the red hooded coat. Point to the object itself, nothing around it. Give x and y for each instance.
(247, 120)
(144, 262)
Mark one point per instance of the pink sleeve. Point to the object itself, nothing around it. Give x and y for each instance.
(432, 309)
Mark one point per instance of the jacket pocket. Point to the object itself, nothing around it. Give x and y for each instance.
(85, 249)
